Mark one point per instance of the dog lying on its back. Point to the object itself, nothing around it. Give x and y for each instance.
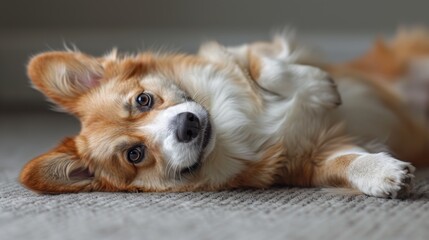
(256, 115)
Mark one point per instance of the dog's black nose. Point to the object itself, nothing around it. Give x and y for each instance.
(188, 126)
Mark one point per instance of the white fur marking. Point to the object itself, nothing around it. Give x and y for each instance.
(379, 174)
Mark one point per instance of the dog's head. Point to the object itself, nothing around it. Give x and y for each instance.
(158, 122)
(141, 127)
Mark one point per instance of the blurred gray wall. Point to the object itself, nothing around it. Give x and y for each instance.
(341, 28)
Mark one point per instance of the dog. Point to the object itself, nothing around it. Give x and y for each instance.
(252, 116)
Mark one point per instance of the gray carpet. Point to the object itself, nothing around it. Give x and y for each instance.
(280, 213)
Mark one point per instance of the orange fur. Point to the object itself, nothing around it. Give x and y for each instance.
(333, 172)
(263, 173)
(33, 174)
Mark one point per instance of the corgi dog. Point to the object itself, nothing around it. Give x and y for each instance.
(251, 116)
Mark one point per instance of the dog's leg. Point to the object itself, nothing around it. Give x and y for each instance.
(312, 85)
(378, 174)
(310, 94)
(275, 68)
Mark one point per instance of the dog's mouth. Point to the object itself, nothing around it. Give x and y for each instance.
(207, 133)
(194, 167)
(206, 137)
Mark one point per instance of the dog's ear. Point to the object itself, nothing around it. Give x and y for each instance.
(57, 171)
(65, 76)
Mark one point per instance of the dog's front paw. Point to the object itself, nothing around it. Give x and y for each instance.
(380, 175)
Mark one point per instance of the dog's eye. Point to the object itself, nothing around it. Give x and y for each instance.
(135, 154)
(145, 100)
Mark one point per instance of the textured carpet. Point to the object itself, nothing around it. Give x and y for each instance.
(281, 213)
